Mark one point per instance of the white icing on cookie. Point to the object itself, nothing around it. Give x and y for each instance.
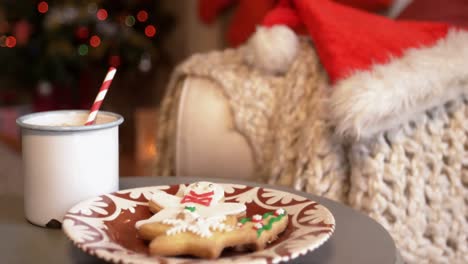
(206, 187)
(279, 211)
(257, 218)
(258, 225)
(200, 211)
(165, 200)
(199, 226)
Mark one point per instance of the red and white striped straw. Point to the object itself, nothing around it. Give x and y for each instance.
(100, 96)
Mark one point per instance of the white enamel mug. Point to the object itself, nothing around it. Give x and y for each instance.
(65, 162)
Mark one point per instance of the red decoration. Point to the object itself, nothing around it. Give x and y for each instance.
(279, 212)
(43, 7)
(100, 96)
(101, 14)
(95, 41)
(257, 218)
(150, 31)
(249, 14)
(257, 226)
(369, 5)
(245, 19)
(389, 38)
(358, 40)
(10, 42)
(142, 16)
(203, 198)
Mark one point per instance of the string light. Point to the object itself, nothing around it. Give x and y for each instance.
(150, 31)
(101, 14)
(95, 41)
(43, 7)
(145, 63)
(83, 49)
(130, 21)
(142, 16)
(10, 42)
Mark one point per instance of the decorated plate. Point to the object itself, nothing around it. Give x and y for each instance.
(104, 226)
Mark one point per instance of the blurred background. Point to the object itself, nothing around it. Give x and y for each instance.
(54, 55)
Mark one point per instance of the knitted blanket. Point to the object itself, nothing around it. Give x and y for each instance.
(412, 179)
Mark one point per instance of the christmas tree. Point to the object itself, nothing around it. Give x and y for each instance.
(53, 42)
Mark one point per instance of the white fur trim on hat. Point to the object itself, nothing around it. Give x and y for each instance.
(373, 101)
(272, 49)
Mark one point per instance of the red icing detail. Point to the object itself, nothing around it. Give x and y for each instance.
(203, 198)
(277, 212)
(259, 220)
(257, 227)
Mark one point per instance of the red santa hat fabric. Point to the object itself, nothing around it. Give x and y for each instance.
(369, 5)
(382, 72)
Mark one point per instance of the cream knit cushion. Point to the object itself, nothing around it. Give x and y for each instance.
(412, 179)
(207, 144)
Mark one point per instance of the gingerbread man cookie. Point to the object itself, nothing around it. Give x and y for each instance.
(200, 224)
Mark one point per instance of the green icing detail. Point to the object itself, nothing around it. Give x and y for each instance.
(244, 220)
(267, 214)
(259, 232)
(190, 208)
(269, 225)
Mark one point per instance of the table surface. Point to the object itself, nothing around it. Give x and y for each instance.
(357, 238)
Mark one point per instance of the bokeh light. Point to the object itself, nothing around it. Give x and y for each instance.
(101, 14)
(43, 7)
(83, 49)
(142, 16)
(10, 42)
(130, 21)
(92, 8)
(95, 41)
(150, 31)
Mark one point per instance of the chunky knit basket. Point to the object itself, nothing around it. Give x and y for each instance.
(412, 179)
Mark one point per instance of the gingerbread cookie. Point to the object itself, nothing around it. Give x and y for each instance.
(200, 224)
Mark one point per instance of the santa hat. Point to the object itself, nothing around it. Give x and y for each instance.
(382, 72)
